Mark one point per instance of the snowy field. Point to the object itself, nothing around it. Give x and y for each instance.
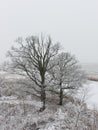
(23, 114)
(92, 86)
(18, 114)
(92, 94)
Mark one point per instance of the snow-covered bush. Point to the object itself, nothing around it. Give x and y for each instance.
(20, 115)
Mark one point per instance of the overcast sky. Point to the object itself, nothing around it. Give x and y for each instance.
(74, 23)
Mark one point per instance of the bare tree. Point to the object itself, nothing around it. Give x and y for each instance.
(66, 75)
(32, 57)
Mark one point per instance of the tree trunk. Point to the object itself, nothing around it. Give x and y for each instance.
(43, 98)
(43, 92)
(61, 97)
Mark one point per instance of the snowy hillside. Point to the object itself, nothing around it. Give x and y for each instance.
(16, 115)
(19, 111)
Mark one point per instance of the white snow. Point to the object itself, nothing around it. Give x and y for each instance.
(3, 98)
(18, 114)
(92, 94)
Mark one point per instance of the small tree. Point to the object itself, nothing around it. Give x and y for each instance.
(32, 56)
(66, 74)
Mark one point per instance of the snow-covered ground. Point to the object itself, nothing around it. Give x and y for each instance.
(92, 94)
(19, 114)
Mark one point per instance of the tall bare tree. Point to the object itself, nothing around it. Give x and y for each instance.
(66, 74)
(32, 57)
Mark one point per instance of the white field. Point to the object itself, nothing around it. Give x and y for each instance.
(24, 114)
(92, 94)
(92, 87)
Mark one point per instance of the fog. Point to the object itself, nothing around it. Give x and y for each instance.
(74, 23)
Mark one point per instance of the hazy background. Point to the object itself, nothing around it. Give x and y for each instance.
(72, 22)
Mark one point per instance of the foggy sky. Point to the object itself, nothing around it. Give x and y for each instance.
(74, 23)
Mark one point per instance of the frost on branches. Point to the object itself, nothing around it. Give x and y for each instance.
(26, 116)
